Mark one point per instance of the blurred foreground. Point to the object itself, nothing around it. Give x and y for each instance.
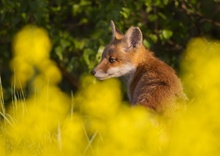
(95, 121)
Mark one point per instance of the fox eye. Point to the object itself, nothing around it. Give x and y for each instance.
(111, 60)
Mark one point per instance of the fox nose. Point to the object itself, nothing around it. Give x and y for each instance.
(93, 72)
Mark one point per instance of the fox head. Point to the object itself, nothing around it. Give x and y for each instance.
(120, 56)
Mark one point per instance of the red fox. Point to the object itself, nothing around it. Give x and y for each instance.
(150, 81)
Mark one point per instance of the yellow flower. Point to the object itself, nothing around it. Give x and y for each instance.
(134, 131)
(31, 48)
(50, 72)
(73, 136)
(100, 99)
(196, 132)
(32, 44)
(23, 71)
(37, 118)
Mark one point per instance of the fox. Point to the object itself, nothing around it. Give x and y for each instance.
(150, 81)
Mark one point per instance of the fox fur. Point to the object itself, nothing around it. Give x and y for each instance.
(150, 81)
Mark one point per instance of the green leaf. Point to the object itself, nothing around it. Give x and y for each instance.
(147, 43)
(152, 17)
(125, 12)
(76, 9)
(167, 33)
(153, 37)
(64, 43)
(59, 52)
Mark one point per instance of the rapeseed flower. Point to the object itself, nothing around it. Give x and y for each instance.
(196, 132)
(100, 123)
(31, 47)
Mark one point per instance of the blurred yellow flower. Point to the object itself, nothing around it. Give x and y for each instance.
(2, 144)
(31, 48)
(36, 118)
(100, 99)
(50, 72)
(197, 131)
(73, 136)
(134, 131)
(201, 66)
(101, 124)
(23, 71)
(32, 44)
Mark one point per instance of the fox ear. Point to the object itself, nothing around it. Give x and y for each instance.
(116, 32)
(134, 37)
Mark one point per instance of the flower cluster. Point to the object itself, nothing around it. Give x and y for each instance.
(95, 121)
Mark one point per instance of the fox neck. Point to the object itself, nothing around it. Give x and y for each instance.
(143, 58)
(128, 79)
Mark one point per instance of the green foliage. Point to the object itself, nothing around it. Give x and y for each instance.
(80, 28)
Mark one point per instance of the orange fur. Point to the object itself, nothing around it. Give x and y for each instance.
(150, 81)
